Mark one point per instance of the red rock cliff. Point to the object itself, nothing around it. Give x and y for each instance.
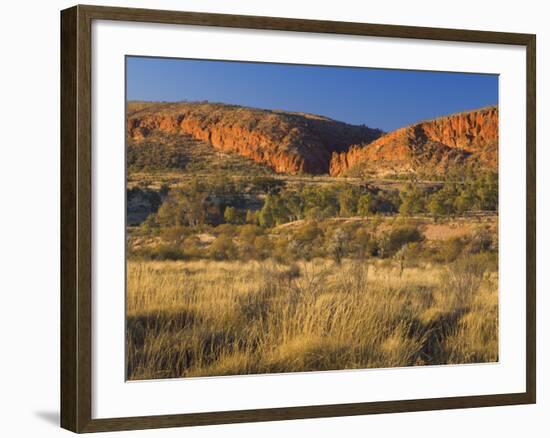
(287, 142)
(433, 145)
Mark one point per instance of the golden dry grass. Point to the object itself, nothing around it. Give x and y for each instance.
(206, 318)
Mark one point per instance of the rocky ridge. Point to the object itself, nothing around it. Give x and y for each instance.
(287, 142)
(439, 144)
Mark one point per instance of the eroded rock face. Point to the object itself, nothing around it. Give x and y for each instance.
(435, 145)
(286, 142)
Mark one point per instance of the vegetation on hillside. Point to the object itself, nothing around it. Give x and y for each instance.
(164, 152)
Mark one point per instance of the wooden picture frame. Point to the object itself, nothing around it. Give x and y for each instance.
(76, 218)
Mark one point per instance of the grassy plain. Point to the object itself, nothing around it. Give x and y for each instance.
(208, 317)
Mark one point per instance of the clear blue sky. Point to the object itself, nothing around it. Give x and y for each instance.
(385, 99)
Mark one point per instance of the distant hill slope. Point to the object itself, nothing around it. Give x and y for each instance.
(286, 142)
(430, 146)
(165, 152)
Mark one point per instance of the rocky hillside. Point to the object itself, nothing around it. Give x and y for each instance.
(286, 142)
(431, 146)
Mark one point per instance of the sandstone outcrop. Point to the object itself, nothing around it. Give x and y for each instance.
(287, 142)
(435, 145)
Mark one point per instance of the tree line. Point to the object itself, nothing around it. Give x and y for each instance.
(268, 202)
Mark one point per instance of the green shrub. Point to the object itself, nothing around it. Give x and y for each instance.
(262, 247)
(281, 251)
(451, 249)
(168, 252)
(252, 217)
(233, 216)
(364, 243)
(174, 234)
(482, 241)
(247, 233)
(391, 241)
(308, 232)
(223, 248)
(192, 248)
(150, 224)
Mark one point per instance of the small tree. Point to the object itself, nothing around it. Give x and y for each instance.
(436, 205)
(465, 201)
(280, 212)
(364, 244)
(294, 202)
(364, 204)
(251, 217)
(402, 255)
(150, 223)
(348, 202)
(412, 201)
(487, 191)
(442, 203)
(231, 215)
(338, 245)
(265, 217)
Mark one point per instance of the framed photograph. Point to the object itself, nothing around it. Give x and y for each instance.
(269, 219)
